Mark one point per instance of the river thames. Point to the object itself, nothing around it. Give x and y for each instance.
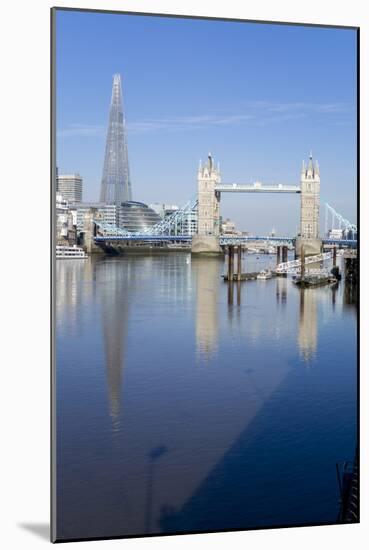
(183, 406)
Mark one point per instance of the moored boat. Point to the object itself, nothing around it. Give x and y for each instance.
(264, 274)
(70, 252)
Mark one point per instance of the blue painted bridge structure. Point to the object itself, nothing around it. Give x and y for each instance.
(170, 230)
(225, 240)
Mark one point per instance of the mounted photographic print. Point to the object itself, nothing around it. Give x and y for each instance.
(205, 275)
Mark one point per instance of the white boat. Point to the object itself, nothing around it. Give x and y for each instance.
(70, 252)
(264, 274)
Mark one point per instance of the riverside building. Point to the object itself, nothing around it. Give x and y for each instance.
(70, 187)
(130, 215)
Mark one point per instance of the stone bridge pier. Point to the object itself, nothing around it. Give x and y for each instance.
(89, 232)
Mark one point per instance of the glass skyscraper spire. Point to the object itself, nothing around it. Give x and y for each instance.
(116, 183)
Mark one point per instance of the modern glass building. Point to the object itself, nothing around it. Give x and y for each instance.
(136, 216)
(187, 224)
(106, 212)
(133, 216)
(69, 186)
(116, 182)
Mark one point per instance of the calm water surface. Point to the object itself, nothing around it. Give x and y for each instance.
(182, 406)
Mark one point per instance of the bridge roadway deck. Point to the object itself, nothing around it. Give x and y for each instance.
(256, 188)
(224, 240)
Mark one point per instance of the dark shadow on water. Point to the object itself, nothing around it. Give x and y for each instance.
(270, 476)
(42, 530)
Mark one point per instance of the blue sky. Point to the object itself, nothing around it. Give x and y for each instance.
(259, 97)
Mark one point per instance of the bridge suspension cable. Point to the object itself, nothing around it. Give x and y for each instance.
(178, 223)
(334, 220)
(170, 224)
(110, 230)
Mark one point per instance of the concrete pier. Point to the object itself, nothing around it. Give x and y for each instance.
(284, 253)
(312, 246)
(89, 232)
(238, 275)
(282, 256)
(207, 245)
(239, 262)
(230, 262)
(278, 255)
(351, 265)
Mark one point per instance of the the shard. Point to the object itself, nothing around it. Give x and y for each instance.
(116, 183)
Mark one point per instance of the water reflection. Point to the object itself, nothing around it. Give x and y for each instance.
(281, 289)
(350, 294)
(193, 447)
(115, 282)
(334, 290)
(308, 330)
(206, 273)
(73, 288)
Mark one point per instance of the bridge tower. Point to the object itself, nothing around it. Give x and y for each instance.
(206, 241)
(309, 212)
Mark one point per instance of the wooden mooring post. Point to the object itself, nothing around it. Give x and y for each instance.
(334, 256)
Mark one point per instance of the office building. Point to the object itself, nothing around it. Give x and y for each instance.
(70, 187)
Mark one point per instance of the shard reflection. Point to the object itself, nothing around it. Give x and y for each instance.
(113, 279)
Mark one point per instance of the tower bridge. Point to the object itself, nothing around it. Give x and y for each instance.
(205, 205)
(210, 188)
(256, 187)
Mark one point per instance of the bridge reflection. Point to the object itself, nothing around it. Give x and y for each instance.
(206, 274)
(180, 431)
(308, 328)
(116, 282)
(281, 290)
